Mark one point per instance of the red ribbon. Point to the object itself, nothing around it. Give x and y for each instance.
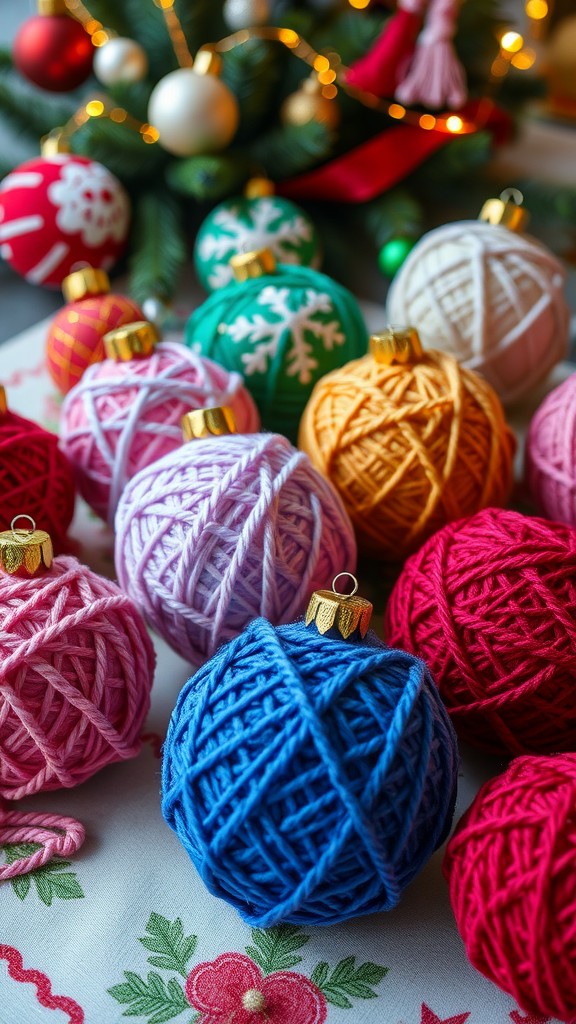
(380, 163)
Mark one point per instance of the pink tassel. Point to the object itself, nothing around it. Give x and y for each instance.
(383, 67)
(436, 77)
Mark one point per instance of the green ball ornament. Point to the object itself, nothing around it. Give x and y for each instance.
(282, 328)
(244, 224)
(393, 253)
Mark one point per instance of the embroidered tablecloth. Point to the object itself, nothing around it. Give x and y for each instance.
(128, 930)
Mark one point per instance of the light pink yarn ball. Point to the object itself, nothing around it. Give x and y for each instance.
(490, 297)
(123, 416)
(551, 454)
(76, 670)
(225, 530)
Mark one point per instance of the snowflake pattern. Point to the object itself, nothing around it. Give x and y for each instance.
(90, 201)
(305, 325)
(258, 223)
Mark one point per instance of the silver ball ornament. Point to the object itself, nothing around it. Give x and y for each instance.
(193, 112)
(120, 60)
(246, 13)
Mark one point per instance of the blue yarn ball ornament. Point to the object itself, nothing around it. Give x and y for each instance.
(309, 778)
(282, 331)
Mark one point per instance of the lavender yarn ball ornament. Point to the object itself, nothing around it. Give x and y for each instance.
(489, 296)
(308, 776)
(551, 454)
(228, 528)
(126, 411)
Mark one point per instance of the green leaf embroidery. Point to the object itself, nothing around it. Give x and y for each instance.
(347, 980)
(153, 998)
(274, 949)
(167, 939)
(52, 881)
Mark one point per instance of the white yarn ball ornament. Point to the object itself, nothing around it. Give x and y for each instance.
(245, 13)
(492, 298)
(194, 113)
(120, 60)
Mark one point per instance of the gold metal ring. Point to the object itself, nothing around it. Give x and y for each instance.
(351, 577)
(22, 536)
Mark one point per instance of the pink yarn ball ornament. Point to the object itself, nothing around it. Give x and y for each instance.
(551, 454)
(123, 416)
(511, 869)
(224, 530)
(76, 670)
(489, 603)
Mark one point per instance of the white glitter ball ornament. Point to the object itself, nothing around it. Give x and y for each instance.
(240, 14)
(492, 298)
(120, 61)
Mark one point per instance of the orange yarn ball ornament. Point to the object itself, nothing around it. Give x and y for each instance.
(411, 441)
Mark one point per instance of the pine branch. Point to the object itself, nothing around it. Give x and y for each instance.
(394, 215)
(119, 148)
(111, 14)
(32, 115)
(159, 248)
(550, 201)
(291, 149)
(349, 35)
(6, 62)
(208, 177)
(253, 72)
(460, 157)
(133, 97)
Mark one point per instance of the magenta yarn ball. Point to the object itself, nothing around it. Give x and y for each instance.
(224, 530)
(76, 671)
(551, 454)
(123, 416)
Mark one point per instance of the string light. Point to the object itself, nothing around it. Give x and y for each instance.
(511, 42)
(537, 9)
(176, 33)
(454, 124)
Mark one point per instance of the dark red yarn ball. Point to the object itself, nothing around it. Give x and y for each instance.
(36, 478)
(511, 869)
(489, 602)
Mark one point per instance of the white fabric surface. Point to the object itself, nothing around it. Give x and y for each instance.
(132, 865)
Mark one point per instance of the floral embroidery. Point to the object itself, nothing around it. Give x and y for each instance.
(258, 987)
(43, 985)
(429, 1017)
(51, 881)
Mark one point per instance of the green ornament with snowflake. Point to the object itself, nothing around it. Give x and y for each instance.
(257, 220)
(282, 328)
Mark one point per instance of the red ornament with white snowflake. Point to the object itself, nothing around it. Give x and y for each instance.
(232, 987)
(59, 213)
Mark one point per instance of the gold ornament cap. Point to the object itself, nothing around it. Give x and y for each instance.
(507, 211)
(346, 614)
(207, 62)
(132, 341)
(216, 422)
(51, 7)
(25, 551)
(253, 264)
(87, 281)
(309, 103)
(396, 346)
(259, 188)
(3, 401)
(55, 142)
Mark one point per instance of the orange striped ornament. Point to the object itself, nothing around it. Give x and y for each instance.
(75, 338)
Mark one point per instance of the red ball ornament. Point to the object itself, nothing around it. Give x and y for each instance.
(76, 335)
(53, 51)
(35, 476)
(59, 213)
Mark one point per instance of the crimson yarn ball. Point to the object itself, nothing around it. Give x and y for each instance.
(551, 454)
(511, 870)
(54, 52)
(59, 213)
(489, 602)
(76, 670)
(35, 478)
